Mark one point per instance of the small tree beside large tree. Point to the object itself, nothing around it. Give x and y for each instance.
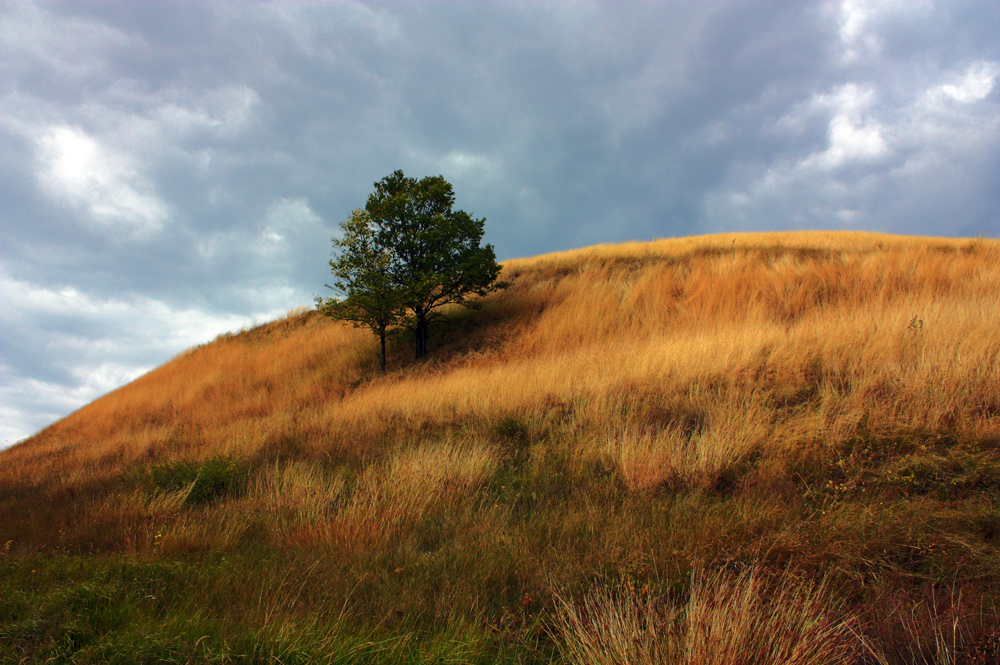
(406, 254)
(370, 298)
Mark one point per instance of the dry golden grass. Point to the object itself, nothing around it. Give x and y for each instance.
(796, 405)
(726, 618)
(699, 349)
(400, 492)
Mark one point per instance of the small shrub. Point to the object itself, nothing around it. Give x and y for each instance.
(511, 428)
(207, 481)
(173, 475)
(514, 439)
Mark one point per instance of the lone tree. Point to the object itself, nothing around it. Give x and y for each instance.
(407, 254)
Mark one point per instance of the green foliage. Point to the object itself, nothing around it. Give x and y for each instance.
(511, 428)
(409, 252)
(514, 439)
(207, 481)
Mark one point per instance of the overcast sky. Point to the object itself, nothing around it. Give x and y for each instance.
(172, 170)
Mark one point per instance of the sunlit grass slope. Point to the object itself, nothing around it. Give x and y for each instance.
(632, 449)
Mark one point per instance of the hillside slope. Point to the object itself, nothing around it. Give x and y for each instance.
(758, 408)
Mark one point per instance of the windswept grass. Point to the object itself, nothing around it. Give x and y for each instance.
(785, 445)
(725, 618)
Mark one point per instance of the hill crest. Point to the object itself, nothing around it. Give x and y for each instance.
(565, 323)
(791, 440)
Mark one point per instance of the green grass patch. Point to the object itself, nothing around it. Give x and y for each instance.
(204, 482)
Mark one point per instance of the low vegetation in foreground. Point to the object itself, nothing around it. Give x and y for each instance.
(774, 448)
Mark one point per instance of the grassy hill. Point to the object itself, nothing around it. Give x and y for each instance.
(774, 448)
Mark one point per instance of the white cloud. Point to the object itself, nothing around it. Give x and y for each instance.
(28, 404)
(96, 343)
(855, 17)
(853, 134)
(849, 142)
(956, 120)
(974, 86)
(860, 20)
(78, 169)
(139, 323)
(929, 146)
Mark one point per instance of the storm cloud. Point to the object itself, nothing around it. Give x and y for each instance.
(172, 171)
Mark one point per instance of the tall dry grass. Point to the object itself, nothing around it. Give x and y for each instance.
(296, 503)
(701, 350)
(726, 618)
(824, 403)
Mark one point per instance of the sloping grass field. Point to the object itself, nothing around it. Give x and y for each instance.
(745, 448)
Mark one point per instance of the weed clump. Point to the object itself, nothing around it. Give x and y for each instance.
(203, 482)
(515, 441)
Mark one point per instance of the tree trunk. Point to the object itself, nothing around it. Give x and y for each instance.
(421, 335)
(382, 358)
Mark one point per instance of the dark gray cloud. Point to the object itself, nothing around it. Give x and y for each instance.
(174, 170)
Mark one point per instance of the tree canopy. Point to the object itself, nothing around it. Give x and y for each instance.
(406, 254)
